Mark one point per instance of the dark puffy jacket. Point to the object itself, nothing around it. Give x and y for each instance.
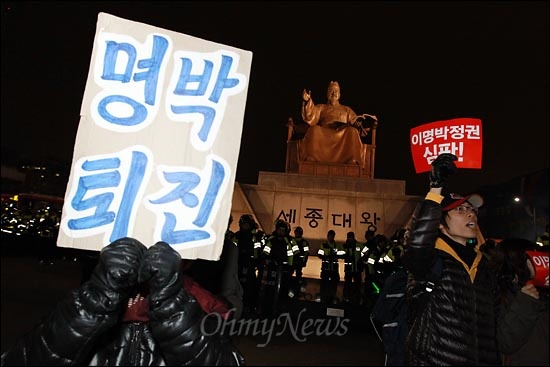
(85, 329)
(456, 324)
(523, 330)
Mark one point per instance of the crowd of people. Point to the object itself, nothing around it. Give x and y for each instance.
(366, 265)
(263, 256)
(267, 263)
(481, 309)
(148, 306)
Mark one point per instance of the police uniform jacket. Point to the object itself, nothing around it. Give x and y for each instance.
(281, 249)
(352, 257)
(303, 252)
(329, 252)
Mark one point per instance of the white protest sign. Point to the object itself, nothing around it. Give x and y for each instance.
(158, 141)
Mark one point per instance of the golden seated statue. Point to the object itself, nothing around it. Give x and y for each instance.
(332, 140)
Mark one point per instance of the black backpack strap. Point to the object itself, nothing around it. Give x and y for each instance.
(434, 274)
(418, 291)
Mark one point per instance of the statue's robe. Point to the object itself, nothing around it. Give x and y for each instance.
(328, 144)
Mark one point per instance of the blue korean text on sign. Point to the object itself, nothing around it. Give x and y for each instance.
(200, 96)
(155, 101)
(104, 198)
(129, 74)
(186, 202)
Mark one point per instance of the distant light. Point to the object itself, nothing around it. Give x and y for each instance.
(517, 199)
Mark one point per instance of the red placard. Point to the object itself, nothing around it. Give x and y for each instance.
(540, 263)
(461, 137)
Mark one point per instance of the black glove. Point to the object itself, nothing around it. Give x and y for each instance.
(161, 267)
(442, 167)
(117, 270)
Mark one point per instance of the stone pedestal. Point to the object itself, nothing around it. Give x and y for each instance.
(319, 203)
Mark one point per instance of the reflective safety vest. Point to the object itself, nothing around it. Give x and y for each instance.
(259, 242)
(303, 249)
(389, 260)
(291, 248)
(364, 250)
(329, 252)
(253, 243)
(352, 256)
(375, 260)
(390, 256)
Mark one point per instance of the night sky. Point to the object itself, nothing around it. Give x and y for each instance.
(408, 63)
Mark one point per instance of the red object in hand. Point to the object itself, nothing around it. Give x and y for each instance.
(540, 263)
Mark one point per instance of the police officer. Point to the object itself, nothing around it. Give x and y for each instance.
(352, 268)
(248, 240)
(369, 243)
(374, 271)
(329, 253)
(365, 247)
(279, 251)
(392, 258)
(300, 261)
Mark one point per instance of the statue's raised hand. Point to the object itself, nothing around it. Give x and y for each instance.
(306, 95)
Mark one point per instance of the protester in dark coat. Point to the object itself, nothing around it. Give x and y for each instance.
(455, 323)
(523, 323)
(220, 277)
(137, 309)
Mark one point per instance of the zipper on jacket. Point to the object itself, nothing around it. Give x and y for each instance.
(137, 330)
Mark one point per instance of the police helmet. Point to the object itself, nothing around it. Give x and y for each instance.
(282, 224)
(247, 218)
